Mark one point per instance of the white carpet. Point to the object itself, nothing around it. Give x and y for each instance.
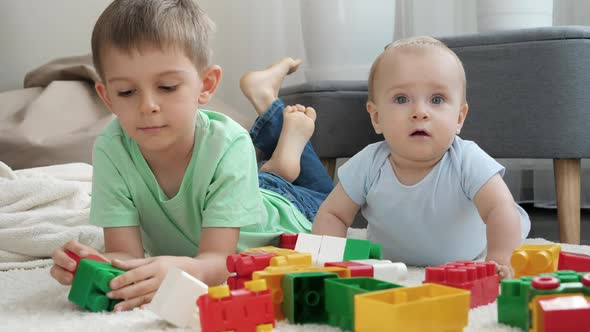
(31, 301)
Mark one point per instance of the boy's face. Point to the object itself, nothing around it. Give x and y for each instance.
(418, 102)
(155, 93)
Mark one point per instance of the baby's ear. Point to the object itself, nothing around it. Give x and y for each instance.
(211, 77)
(462, 116)
(374, 114)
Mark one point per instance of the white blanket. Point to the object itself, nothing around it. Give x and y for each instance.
(40, 210)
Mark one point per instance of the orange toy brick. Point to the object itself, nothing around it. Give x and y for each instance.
(534, 259)
(424, 308)
(481, 278)
(244, 310)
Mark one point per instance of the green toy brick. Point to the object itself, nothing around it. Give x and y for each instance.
(361, 249)
(375, 251)
(91, 284)
(304, 297)
(515, 296)
(340, 298)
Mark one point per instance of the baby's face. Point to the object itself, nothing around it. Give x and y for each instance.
(418, 104)
(154, 93)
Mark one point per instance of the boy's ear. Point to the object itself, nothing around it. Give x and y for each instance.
(211, 77)
(462, 115)
(101, 90)
(372, 109)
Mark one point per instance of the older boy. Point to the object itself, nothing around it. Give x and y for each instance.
(178, 182)
(429, 197)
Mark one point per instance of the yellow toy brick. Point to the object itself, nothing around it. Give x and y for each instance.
(275, 250)
(424, 308)
(533, 259)
(303, 259)
(274, 277)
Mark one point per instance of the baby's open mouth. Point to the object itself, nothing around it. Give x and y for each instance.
(419, 133)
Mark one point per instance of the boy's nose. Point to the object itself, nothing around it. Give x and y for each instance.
(149, 105)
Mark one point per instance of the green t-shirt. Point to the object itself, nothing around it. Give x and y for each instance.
(219, 189)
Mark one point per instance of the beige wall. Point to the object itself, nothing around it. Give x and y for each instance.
(33, 32)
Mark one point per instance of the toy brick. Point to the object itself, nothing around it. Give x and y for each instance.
(481, 279)
(534, 259)
(245, 263)
(331, 250)
(386, 270)
(243, 310)
(356, 269)
(288, 241)
(303, 259)
(309, 243)
(175, 301)
(77, 259)
(304, 297)
(562, 312)
(356, 249)
(575, 262)
(91, 284)
(340, 294)
(235, 282)
(424, 308)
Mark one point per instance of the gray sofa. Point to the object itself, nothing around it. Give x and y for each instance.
(527, 92)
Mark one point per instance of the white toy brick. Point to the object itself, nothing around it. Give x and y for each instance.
(309, 243)
(331, 250)
(175, 300)
(386, 270)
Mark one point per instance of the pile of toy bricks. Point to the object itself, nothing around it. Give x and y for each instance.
(551, 292)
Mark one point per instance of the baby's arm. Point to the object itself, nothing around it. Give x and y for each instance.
(336, 214)
(498, 210)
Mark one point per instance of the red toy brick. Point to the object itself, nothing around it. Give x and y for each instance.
(241, 311)
(245, 263)
(356, 269)
(77, 259)
(288, 241)
(565, 314)
(235, 282)
(480, 278)
(575, 262)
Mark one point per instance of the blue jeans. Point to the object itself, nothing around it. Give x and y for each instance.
(312, 186)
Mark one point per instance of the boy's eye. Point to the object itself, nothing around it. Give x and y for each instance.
(437, 100)
(168, 88)
(400, 100)
(125, 93)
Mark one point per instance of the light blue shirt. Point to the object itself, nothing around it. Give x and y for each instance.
(432, 222)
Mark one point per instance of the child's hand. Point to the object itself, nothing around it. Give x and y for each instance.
(64, 265)
(139, 284)
(504, 271)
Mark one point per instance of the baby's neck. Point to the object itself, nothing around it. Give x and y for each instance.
(410, 172)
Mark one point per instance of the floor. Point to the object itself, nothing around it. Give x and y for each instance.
(544, 224)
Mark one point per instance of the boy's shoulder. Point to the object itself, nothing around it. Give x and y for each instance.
(219, 125)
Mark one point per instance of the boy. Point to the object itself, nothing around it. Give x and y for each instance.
(178, 182)
(424, 191)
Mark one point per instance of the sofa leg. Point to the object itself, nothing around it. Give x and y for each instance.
(567, 188)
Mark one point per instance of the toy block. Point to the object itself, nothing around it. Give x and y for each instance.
(235, 282)
(91, 284)
(274, 278)
(288, 241)
(562, 312)
(242, 310)
(303, 259)
(331, 250)
(309, 243)
(516, 294)
(481, 279)
(356, 269)
(385, 270)
(77, 259)
(533, 259)
(575, 262)
(340, 294)
(361, 249)
(424, 308)
(275, 250)
(176, 299)
(304, 297)
(245, 263)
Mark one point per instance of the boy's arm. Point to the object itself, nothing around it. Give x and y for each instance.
(123, 242)
(497, 209)
(336, 214)
(216, 244)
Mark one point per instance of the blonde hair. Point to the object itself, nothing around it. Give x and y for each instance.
(131, 24)
(413, 42)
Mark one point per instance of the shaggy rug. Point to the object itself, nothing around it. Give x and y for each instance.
(31, 301)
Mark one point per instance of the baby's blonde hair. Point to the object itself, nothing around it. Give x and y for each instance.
(413, 42)
(128, 25)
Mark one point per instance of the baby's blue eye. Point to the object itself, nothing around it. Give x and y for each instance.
(437, 100)
(401, 100)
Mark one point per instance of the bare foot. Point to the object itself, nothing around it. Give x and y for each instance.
(298, 126)
(262, 87)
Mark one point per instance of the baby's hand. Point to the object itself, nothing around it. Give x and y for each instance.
(65, 264)
(139, 284)
(504, 271)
